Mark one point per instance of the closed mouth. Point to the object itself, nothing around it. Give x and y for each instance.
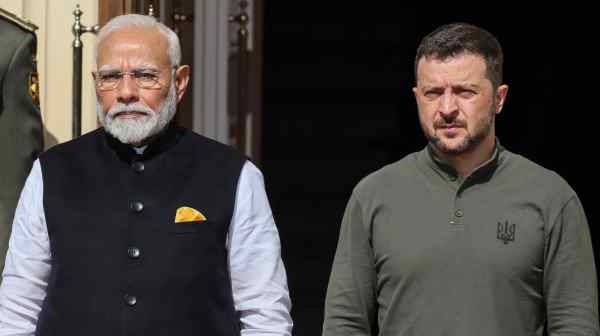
(130, 114)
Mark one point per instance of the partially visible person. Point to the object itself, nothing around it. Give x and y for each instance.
(21, 138)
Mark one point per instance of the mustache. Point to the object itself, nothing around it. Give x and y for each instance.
(134, 107)
(442, 123)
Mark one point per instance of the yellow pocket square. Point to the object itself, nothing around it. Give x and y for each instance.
(187, 214)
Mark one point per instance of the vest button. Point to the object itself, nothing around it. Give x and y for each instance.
(458, 213)
(137, 206)
(130, 300)
(133, 252)
(138, 166)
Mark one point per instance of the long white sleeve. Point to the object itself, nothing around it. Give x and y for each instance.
(27, 266)
(258, 276)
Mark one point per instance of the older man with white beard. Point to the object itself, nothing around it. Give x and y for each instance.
(142, 227)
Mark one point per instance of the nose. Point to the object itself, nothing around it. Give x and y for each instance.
(127, 90)
(448, 106)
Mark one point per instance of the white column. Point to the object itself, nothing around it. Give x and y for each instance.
(210, 69)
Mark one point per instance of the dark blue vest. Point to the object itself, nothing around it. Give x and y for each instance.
(120, 263)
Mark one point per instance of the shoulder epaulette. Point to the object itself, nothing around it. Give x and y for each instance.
(23, 23)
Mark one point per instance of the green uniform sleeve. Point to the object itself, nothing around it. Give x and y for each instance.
(351, 305)
(570, 288)
(20, 125)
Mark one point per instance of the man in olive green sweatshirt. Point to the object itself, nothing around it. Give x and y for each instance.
(463, 238)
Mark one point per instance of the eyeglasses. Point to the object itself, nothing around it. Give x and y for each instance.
(143, 78)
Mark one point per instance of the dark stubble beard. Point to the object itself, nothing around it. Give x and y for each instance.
(469, 142)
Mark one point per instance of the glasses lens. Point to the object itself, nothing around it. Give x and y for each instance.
(146, 79)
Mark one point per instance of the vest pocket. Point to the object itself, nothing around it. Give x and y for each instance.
(191, 227)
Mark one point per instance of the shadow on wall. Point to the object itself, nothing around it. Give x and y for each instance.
(49, 139)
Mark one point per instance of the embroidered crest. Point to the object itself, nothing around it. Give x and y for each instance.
(506, 232)
(34, 88)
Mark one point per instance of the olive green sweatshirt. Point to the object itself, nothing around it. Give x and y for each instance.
(505, 251)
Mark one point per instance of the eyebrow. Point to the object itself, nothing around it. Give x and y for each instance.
(110, 68)
(427, 87)
(466, 85)
(146, 68)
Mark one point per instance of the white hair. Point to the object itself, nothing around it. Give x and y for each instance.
(143, 21)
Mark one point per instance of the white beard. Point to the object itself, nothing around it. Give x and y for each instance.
(135, 130)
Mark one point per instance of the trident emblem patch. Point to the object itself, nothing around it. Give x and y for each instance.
(506, 232)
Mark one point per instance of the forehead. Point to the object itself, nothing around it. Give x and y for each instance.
(133, 46)
(463, 68)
